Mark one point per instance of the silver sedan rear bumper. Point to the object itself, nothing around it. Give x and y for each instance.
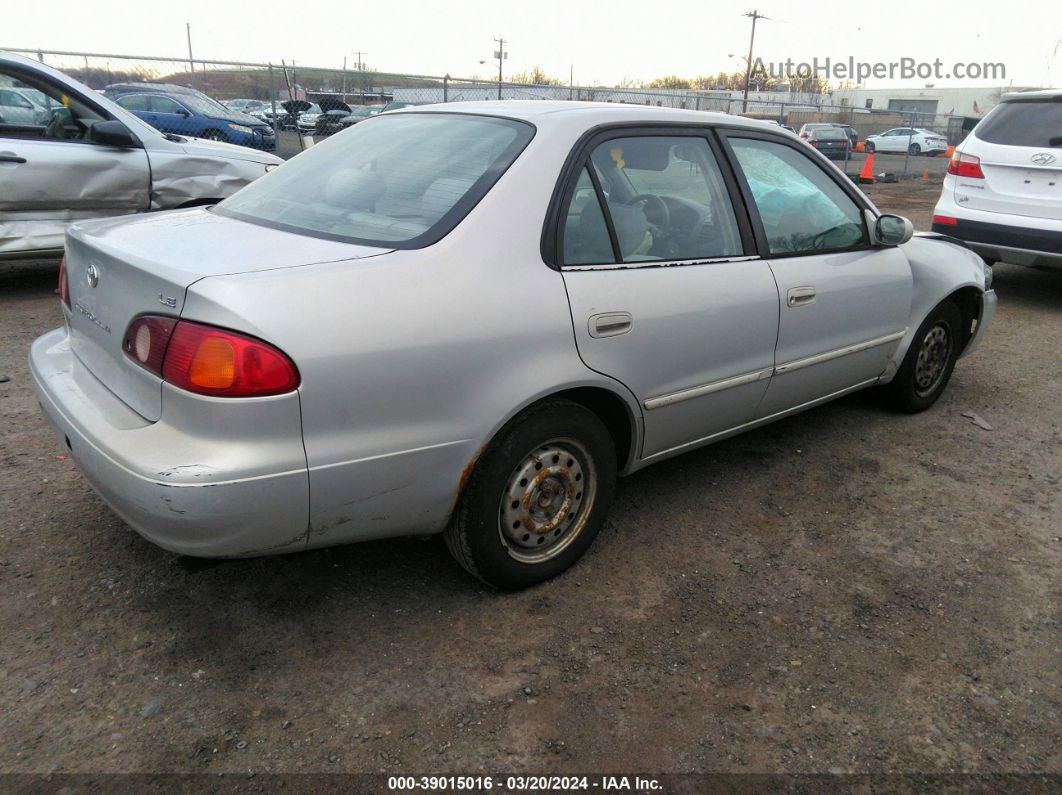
(235, 487)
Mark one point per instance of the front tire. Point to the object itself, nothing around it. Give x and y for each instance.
(536, 498)
(868, 147)
(928, 365)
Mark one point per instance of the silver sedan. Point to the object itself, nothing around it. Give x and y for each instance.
(470, 319)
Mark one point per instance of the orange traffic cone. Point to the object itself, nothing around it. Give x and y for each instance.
(867, 174)
(925, 175)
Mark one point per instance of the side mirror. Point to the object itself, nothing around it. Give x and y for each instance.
(112, 133)
(890, 230)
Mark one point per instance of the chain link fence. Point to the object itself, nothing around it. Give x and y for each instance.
(285, 107)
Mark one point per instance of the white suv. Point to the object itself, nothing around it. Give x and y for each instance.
(1003, 190)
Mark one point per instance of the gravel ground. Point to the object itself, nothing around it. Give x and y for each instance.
(848, 590)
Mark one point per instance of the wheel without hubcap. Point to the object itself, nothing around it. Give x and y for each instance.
(536, 498)
(929, 362)
(547, 502)
(932, 360)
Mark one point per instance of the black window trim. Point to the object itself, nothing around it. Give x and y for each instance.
(552, 242)
(727, 132)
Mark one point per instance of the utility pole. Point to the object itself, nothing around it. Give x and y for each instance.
(753, 15)
(501, 55)
(361, 77)
(188, 30)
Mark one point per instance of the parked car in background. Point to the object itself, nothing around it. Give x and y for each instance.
(334, 121)
(805, 129)
(21, 106)
(305, 384)
(850, 131)
(831, 141)
(399, 106)
(248, 106)
(287, 113)
(185, 111)
(90, 158)
(306, 120)
(1003, 190)
(913, 140)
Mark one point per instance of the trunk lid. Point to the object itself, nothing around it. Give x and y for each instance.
(119, 268)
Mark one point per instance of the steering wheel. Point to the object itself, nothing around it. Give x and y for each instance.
(659, 206)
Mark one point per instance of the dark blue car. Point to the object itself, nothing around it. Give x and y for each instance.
(184, 111)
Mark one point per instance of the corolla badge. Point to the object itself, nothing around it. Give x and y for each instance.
(92, 275)
(1043, 158)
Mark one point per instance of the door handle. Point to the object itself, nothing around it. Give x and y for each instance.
(800, 296)
(5, 158)
(610, 324)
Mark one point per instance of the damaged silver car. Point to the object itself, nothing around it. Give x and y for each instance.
(72, 154)
(470, 321)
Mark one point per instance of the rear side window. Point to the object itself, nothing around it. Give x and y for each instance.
(665, 198)
(402, 181)
(1023, 124)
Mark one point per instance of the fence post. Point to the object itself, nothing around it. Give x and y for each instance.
(40, 56)
(446, 87)
(273, 101)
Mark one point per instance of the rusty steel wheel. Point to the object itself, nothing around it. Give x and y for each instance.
(547, 500)
(537, 496)
(929, 361)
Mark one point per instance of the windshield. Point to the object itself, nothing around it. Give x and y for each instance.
(400, 181)
(202, 104)
(1023, 123)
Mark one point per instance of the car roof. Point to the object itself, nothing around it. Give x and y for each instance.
(547, 113)
(160, 88)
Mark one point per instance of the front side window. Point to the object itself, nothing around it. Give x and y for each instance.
(32, 107)
(665, 198)
(801, 208)
(135, 102)
(401, 181)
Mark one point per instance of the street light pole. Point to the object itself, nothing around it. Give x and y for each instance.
(501, 55)
(753, 15)
(188, 31)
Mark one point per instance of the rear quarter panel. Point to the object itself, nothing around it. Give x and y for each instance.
(411, 361)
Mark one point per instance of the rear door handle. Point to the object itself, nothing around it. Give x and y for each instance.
(12, 159)
(799, 296)
(610, 324)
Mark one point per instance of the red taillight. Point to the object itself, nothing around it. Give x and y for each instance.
(64, 284)
(965, 166)
(146, 340)
(208, 360)
(945, 220)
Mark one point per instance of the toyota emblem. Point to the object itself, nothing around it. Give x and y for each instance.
(92, 275)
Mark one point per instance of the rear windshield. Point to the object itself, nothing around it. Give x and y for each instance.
(401, 181)
(835, 134)
(1023, 124)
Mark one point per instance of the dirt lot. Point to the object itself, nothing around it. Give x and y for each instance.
(848, 590)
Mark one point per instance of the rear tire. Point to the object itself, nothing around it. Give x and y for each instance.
(915, 150)
(537, 497)
(929, 362)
